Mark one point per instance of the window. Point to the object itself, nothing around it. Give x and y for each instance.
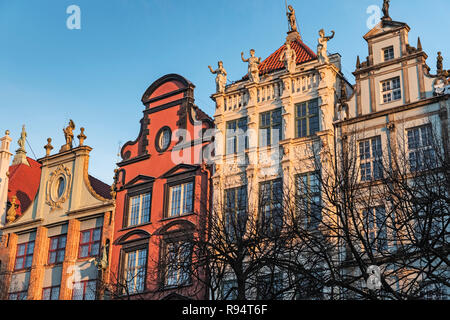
(391, 90)
(178, 263)
(24, 256)
(236, 211)
(371, 159)
(269, 287)
(61, 187)
(84, 290)
(57, 249)
(237, 139)
(420, 148)
(271, 194)
(229, 290)
(139, 209)
(181, 199)
(50, 293)
(135, 270)
(163, 139)
(388, 53)
(90, 243)
(309, 199)
(21, 295)
(375, 224)
(307, 119)
(270, 128)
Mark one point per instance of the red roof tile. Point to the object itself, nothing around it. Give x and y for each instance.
(273, 63)
(24, 183)
(101, 188)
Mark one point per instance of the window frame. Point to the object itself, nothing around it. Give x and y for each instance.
(390, 56)
(125, 251)
(374, 228)
(371, 162)
(85, 285)
(168, 198)
(57, 250)
(23, 293)
(90, 243)
(172, 241)
(236, 137)
(421, 147)
(388, 88)
(134, 191)
(267, 130)
(24, 256)
(51, 292)
(302, 196)
(308, 116)
(273, 204)
(237, 211)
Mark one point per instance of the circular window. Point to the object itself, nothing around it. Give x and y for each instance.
(61, 187)
(163, 139)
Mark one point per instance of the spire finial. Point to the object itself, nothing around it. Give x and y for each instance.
(21, 153)
(81, 137)
(48, 147)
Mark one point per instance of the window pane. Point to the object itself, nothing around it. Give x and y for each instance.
(146, 204)
(95, 248)
(84, 251)
(19, 263)
(97, 234)
(55, 293)
(188, 197)
(46, 294)
(85, 236)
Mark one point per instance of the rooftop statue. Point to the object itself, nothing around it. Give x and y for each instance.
(386, 10)
(289, 58)
(221, 78)
(253, 63)
(292, 19)
(322, 47)
(68, 134)
(22, 139)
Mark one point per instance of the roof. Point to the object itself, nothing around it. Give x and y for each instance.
(273, 63)
(101, 188)
(24, 183)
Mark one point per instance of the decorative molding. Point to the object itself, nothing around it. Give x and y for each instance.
(52, 185)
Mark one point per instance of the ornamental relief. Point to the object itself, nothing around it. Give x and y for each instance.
(58, 186)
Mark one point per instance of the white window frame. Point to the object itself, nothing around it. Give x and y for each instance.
(387, 52)
(182, 204)
(391, 90)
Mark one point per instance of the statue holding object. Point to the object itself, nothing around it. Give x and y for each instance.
(221, 78)
(253, 66)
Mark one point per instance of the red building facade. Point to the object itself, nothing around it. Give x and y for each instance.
(162, 197)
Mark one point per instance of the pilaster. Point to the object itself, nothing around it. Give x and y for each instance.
(37, 272)
(67, 277)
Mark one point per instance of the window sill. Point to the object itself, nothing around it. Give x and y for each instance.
(178, 217)
(136, 226)
(175, 287)
(57, 264)
(22, 270)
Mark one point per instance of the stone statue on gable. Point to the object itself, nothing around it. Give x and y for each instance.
(253, 66)
(221, 78)
(322, 47)
(289, 58)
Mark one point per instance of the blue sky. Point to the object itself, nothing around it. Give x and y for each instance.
(97, 75)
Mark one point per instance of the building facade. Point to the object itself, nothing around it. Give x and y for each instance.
(58, 225)
(162, 197)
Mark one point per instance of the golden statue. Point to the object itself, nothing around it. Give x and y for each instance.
(11, 214)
